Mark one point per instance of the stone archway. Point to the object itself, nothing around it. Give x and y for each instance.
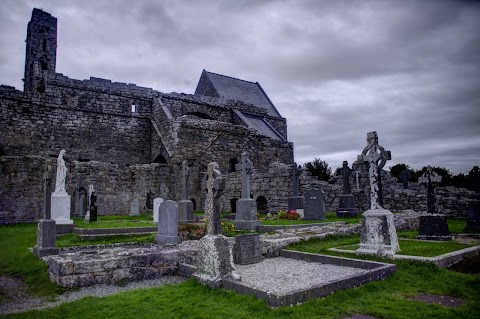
(262, 204)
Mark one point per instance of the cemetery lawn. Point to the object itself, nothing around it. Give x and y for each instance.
(330, 217)
(422, 248)
(389, 298)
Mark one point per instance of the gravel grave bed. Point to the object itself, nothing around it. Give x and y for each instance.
(282, 276)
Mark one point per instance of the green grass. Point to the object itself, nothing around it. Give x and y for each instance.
(382, 299)
(330, 217)
(117, 221)
(16, 260)
(421, 248)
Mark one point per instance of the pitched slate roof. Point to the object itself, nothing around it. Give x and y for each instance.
(212, 84)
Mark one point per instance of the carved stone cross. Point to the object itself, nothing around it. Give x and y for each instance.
(296, 172)
(185, 174)
(346, 171)
(475, 176)
(215, 185)
(428, 179)
(245, 167)
(376, 156)
(48, 175)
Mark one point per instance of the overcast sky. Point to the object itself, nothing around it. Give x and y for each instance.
(409, 70)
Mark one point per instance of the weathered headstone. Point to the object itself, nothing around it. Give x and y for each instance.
(134, 208)
(168, 224)
(473, 210)
(156, 208)
(378, 235)
(433, 226)
(149, 200)
(246, 208)
(61, 199)
(404, 177)
(82, 205)
(185, 206)
(314, 204)
(163, 191)
(46, 230)
(295, 202)
(215, 259)
(346, 207)
(248, 249)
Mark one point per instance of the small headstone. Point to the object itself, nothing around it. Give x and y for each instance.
(248, 249)
(93, 214)
(134, 208)
(82, 205)
(156, 208)
(314, 205)
(404, 177)
(168, 224)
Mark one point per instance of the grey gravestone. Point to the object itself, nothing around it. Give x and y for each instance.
(212, 199)
(168, 224)
(433, 226)
(314, 205)
(185, 206)
(248, 249)
(404, 177)
(473, 210)
(246, 208)
(346, 207)
(295, 201)
(46, 229)
(82, 205)
(156, 208)
(134, 208)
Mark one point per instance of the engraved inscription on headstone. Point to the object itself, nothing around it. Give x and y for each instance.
(314, 205)
(248, 249)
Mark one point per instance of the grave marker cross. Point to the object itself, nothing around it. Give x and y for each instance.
(245, 167)
(346, 171)
(428, 179)
(296, 171)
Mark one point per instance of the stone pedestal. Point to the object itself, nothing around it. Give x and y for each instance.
(185, 212)
(295, 202)
(214, 261)
(46, 238)
(246, 215)
(473, 215)
(346, 207)
(433, 227)
(93, 214)
(61, 212)
(168, 224)
(378, 235)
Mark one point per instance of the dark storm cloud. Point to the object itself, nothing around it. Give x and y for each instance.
(335, 69)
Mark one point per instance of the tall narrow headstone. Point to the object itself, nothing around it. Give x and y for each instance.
(168, 224)
(93, 213)
(215, 259)
(378, 235)
(404, 177)
(156, 208)
(61, 199)
(246, 208)
(346, 207)
(134, 208)
(46, 230)
(185, 206)
(433, 226)
(295, 202)
(314, 204)
(473, 210)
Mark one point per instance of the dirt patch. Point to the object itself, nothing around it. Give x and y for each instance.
(445, 301)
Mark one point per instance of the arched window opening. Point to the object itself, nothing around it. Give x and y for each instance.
(233, 205)
(194, 203)
(160, 160)
(262, 205)
(232, 163)
(134, 108)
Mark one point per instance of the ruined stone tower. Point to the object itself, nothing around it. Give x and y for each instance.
(41, 51)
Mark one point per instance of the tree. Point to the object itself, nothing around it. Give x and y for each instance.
(319, 168)
(396, 170)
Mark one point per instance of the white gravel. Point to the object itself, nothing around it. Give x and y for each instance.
(23, 302)
(282, 276)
